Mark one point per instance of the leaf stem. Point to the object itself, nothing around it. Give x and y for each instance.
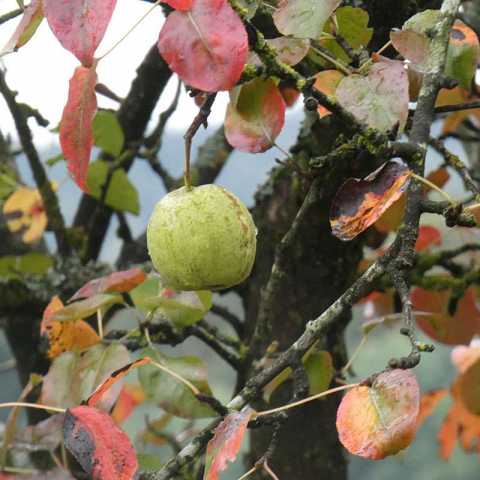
(190, 385)
(100, 323)
(21, 471)
(33, 405)
(269, 471)
(245, 475)
(305, 400)
(472, 207)
(352, 358)
(434, 187)
(326, 57)
(369, 61)
(130, 30)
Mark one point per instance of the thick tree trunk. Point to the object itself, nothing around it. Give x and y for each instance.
(319, 270)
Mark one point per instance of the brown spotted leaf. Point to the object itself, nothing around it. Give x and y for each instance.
(224, 446)
(121, 282)
(76, 137)
(99, 445)
(359, 203)
(381, 420)
(66, 336)
(32, 17)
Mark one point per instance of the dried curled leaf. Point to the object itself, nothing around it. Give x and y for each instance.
(359, 203)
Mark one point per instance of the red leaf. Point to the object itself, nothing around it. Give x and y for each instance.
(427, 236)
(378, 421)
(76, 135)
(121, 282)
(28, 25)
(79, 25)
(180, 4)
(206, 46)
(99, 445)
(253, 124)
(359, 203)
(224, 446)
(428, 402)
(438, 324)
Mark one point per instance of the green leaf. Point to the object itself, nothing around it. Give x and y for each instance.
(83, 308)
(73, 376)
(121, 194)
(148, 461)
(183, 308)
(251, 6)
(151, 287)
(57, 158)
(107, 133)
(319, 369)
(7, 185)
(171, 394)
(31, 263)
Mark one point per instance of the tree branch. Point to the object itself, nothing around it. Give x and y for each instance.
(50, 200)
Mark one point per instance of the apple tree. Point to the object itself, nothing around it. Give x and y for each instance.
(339, 223)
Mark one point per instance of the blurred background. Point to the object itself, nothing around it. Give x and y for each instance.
(40, 73)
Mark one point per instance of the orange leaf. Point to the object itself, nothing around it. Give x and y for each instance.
(428, 402)
(427, 236)
(99, 445)
(327, 82)
(66, 336)
(469, 388)
(452, 97)
(359, 203)
(459, 424)
(224, 446)
(130, 397)
(76, 135)
(378, 421)
(116, 375)
(438, 324)
(121, 282)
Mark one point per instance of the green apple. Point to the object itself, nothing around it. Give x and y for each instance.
(202, 239)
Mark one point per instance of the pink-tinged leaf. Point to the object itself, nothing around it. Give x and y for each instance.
(464, 357)
(327, 82)
(28, 25)
(180, 4)
(427, 237)
(206, 46)
(76, 136)
(359, 203)
(121, 282)
(380, 98)
(428, 403)
(438, 324)
(79, 25)
(378, 421)
(99, 445)
(303, 18)
(258, 117)
(224, 446)
(412, 45)
(290, 50)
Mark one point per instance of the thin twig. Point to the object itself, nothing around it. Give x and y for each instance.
(458, 107)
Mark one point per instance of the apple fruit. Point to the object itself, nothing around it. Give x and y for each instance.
(203, 238)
